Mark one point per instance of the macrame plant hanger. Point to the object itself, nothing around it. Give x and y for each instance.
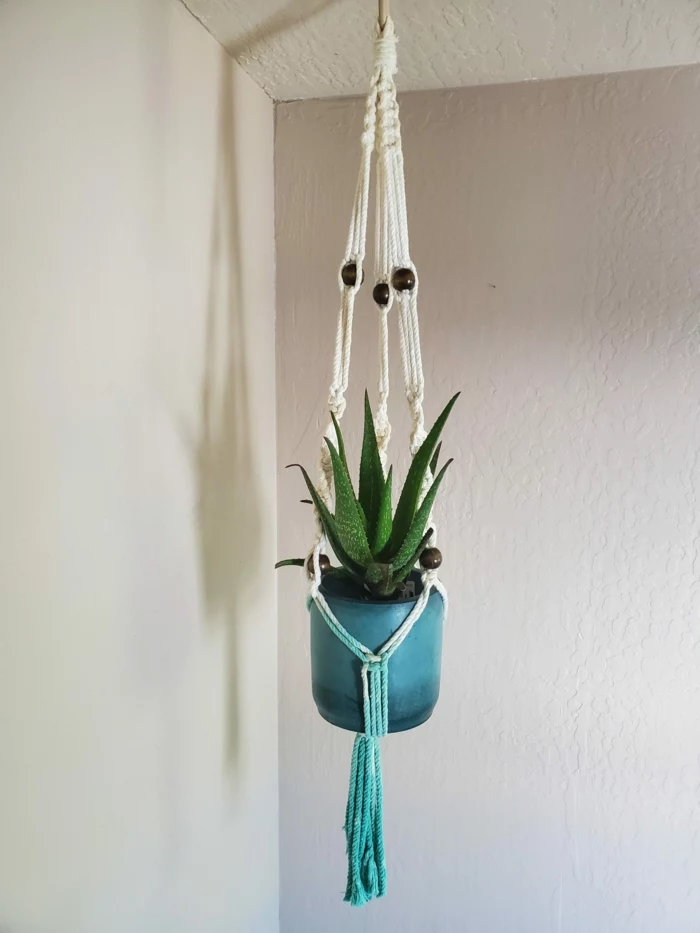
(396, 284)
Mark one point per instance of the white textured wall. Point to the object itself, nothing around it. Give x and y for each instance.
(323, 48)
(138, 712)
(556, 229)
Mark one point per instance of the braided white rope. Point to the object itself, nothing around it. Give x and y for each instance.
(354, 253)
(392, 251)
(381, 132)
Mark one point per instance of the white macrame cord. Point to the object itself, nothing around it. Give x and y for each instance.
(381, 133)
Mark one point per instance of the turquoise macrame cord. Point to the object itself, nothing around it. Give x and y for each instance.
(364, 813)
(364, 818)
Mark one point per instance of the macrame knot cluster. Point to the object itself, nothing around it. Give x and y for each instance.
(382, 429)
(385, 48)
(337, 403)
(414, 398)
(368, 137)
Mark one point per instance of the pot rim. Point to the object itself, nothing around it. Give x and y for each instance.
(415, 575)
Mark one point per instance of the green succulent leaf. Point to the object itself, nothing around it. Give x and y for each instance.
(408, 501)
(342, 573)
(363, 519)
(400, 574)
(377, 552)
(349, 518)
(371, 473)
(346, 573)
(384, 518)
(378, 574)
(341, 442)
(330, 528)
(290, 562)
(417, 528)
(436, 458)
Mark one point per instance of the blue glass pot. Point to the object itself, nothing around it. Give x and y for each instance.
(414, 668)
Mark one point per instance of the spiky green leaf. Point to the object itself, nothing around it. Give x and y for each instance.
(436, 459)
(408, 501)
(341, 442)
(345, 572)
(329, 526)
(290, 562)
(342, 573)
(415, 532)
(400, 574)
(371, 473)
(377, 573)
(384, 518)
(349, 519)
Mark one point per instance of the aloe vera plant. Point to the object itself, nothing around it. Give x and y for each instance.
(376, 546)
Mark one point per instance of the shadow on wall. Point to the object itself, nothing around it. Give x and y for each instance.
(228, 485)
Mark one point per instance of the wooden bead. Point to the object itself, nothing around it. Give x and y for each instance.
(349, 274)
(431, 558)
(323, 562)
(403, 280)
(380, 293)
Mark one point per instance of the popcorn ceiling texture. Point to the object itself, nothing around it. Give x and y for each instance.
(322, 48)
(555, 228)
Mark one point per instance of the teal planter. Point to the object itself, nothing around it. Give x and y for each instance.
(414, 669)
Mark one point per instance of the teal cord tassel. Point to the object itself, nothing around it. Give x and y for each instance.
(364, 822)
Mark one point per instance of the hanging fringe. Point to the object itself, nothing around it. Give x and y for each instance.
(364, 818)
(364, 813)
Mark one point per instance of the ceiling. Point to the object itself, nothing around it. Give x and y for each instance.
(322, 48)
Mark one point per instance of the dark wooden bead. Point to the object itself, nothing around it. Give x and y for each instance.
(380, 293)
(431, 558)
(349, 274)
(323, 562)
(403, 280)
